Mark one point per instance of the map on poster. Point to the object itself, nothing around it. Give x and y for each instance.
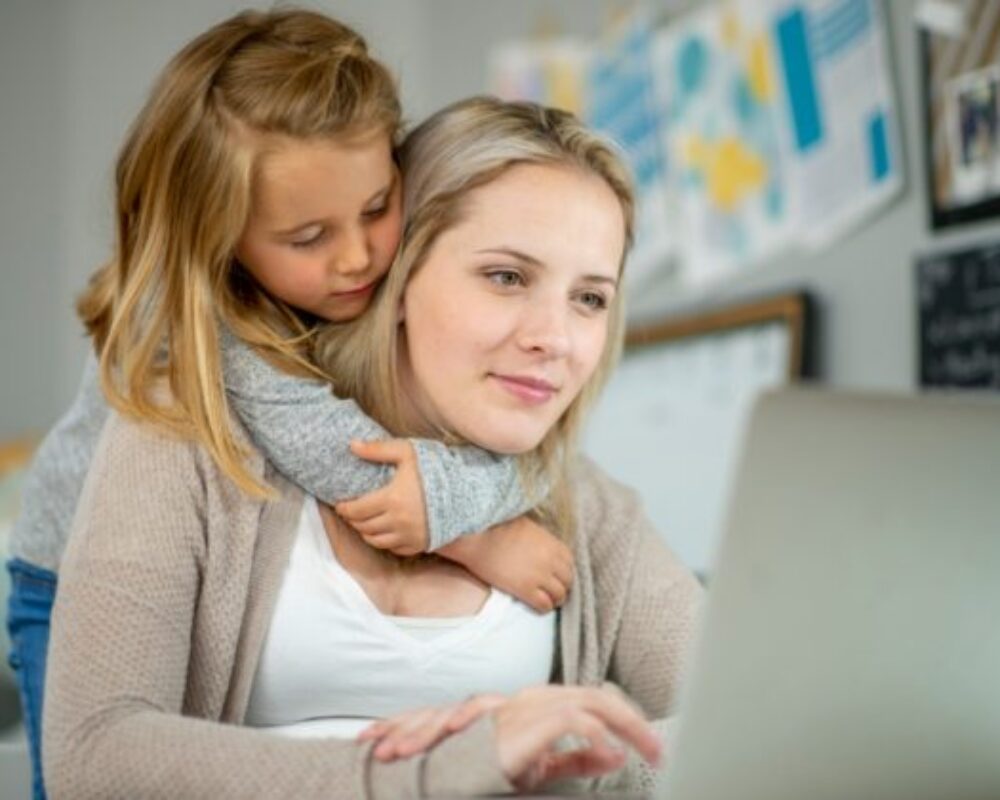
(716, 81)
(751, 126)
(622, 103)
(779, 123)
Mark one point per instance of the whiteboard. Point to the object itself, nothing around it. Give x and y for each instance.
(670, 424)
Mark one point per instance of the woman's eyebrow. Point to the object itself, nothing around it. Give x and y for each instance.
(532, 261)
(513, 253)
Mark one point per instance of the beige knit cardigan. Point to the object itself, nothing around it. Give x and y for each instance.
(165, 596)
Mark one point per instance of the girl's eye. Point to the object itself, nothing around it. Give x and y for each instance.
(312, 241)
(375, 213)
(595, 301)
(505, 277)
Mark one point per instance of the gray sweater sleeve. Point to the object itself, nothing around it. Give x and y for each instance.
(305, 431)
(53, 483)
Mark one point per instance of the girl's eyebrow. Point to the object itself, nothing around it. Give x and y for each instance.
(534, 262)
(385, 191)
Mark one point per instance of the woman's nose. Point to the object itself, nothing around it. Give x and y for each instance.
(545, 328)
(352, 255)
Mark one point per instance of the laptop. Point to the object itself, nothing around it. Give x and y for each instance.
(850, 646)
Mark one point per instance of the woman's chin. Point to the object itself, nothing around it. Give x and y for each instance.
(505, 444)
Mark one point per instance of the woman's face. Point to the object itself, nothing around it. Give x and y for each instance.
(508, 315)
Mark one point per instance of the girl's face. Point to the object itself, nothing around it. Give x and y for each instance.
(324, 224)
(507, 317)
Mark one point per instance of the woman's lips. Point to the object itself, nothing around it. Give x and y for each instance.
(533, 391)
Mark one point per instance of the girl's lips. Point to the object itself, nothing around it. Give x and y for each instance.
(529, 390)
(355, 292)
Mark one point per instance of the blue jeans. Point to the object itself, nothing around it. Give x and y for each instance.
(29, 612)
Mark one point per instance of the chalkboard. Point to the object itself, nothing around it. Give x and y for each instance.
(959, 319)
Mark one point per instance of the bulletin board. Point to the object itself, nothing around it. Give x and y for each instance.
(672, 418)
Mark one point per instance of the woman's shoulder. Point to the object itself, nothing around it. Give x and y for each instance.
(610, 521)
(145, 449)
(597, 494)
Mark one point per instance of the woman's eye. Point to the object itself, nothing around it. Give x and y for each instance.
(505, 277)
(594, 301)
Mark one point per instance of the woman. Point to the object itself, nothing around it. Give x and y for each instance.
(496, 327)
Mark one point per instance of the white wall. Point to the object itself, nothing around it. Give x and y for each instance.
(74, 72)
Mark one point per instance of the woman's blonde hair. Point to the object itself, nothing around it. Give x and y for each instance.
(459, 149)
(183, 192)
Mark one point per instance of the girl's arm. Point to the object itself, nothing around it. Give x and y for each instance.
(305, 431)
(122, 717)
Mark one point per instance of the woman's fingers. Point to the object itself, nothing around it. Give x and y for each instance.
(534, 720)
(472, 709)
(584, 763)
(415, 734)
(625, 721)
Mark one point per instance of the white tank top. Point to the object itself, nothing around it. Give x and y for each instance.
(332, 662)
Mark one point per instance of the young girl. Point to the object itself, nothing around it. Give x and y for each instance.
(257, 196)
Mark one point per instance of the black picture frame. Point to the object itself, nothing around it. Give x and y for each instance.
(939, 72)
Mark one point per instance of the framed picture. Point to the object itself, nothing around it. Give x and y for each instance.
(961, 105)
(671, 419)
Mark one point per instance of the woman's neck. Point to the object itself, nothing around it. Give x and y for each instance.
(420, 587)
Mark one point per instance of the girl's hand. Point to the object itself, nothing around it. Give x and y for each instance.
(519, 557)
(394, 517)
(531, 723)
(416, 731)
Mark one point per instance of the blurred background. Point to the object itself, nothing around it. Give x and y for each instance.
(819, 189)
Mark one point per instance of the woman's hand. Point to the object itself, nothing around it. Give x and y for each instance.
(519, 557)
(530, 725)
(413, 732)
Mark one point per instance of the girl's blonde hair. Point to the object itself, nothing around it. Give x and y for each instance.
(183, 192)
(457, 150)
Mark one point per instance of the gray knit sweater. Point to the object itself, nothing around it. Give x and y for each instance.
(166, 594)
(304, 430)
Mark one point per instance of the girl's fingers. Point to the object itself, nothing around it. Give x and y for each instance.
(564, 571)
(542, 601)
(364, 507)
(373, 526)
(387, 541)
(556, 590)
(388, 451)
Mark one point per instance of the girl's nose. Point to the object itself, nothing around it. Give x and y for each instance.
(352, 256)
